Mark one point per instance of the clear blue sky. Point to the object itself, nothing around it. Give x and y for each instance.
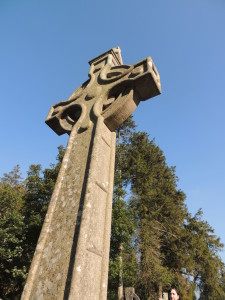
(44, 54)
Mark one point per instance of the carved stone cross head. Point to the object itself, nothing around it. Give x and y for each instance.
(113, 91)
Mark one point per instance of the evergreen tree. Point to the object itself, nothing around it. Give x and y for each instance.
(159, 209)
(123, 263)
(165, 228)
(203, 248)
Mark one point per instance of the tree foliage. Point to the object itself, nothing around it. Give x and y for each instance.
(171, 246)
(155, 241)
(13, 266)
(23, 205)
(123, 263)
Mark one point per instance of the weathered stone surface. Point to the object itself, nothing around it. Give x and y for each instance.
(71, 258)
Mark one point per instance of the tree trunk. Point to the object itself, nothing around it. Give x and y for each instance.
(120, 287)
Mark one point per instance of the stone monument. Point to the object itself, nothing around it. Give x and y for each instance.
(72, 254)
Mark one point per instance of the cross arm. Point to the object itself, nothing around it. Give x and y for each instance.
(141, 82)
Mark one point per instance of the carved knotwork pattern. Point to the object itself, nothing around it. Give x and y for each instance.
(109, 85)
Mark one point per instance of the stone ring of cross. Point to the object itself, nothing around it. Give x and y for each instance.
(113, 90)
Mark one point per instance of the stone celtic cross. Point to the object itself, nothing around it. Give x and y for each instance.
(72, 255)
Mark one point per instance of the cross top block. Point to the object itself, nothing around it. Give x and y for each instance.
(113, 91)
(116, 54)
